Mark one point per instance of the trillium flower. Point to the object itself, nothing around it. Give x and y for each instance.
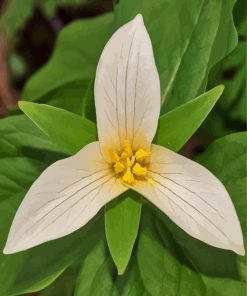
(71, 191)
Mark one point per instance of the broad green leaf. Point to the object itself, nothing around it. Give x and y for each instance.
(99, 277)
(75, 57)
(25, 153)
(131, 284)
(178, 125)
(239, 15)
(122, 218)
(70, 131)
(188, 39)
(20, 137)
(69, 96)
(164, 273)
(230, 153)
(97, 273)
(63, 285)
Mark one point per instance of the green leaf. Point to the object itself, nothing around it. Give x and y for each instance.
(20, 137)
(230, 153)
(96, 274)
(167, 272)
(69, 96)
(202, 33)
(64, 284)
(122, 218)
(177, 126)
(76, 55)
(70, 131)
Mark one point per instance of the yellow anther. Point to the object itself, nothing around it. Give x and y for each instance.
(128, 177)
(139, 170)
(128, 162)
(132, 161)
(119, 167)
(141, 154)
(114, 156)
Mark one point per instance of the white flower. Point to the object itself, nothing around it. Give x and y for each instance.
(71, 191)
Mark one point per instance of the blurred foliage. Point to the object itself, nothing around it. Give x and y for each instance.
(17, 12)
(230, 112)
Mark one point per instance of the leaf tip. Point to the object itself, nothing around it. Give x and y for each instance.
(20, 104)
(222, 87)
(121, 270)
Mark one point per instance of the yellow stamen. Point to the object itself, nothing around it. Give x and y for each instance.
(132, 161)
(142, 154)
(119, 167)
(139, 170)
(128, 177)
(114, 156)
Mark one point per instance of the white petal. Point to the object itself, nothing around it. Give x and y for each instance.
(194, 199)
(64, 198)
(127, 89)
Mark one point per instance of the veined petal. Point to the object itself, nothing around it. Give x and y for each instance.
(193, 198)
(127, 89)
(65, 197)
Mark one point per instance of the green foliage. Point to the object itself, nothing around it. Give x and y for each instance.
(230, 112)
(17, 12)
(96, 274)
(76, 55)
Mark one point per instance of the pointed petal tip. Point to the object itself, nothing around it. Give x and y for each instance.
(240, 250)
(10, 249)
(138, 19)
(7, 251)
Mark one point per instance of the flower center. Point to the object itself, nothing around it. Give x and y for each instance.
(129, 165)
